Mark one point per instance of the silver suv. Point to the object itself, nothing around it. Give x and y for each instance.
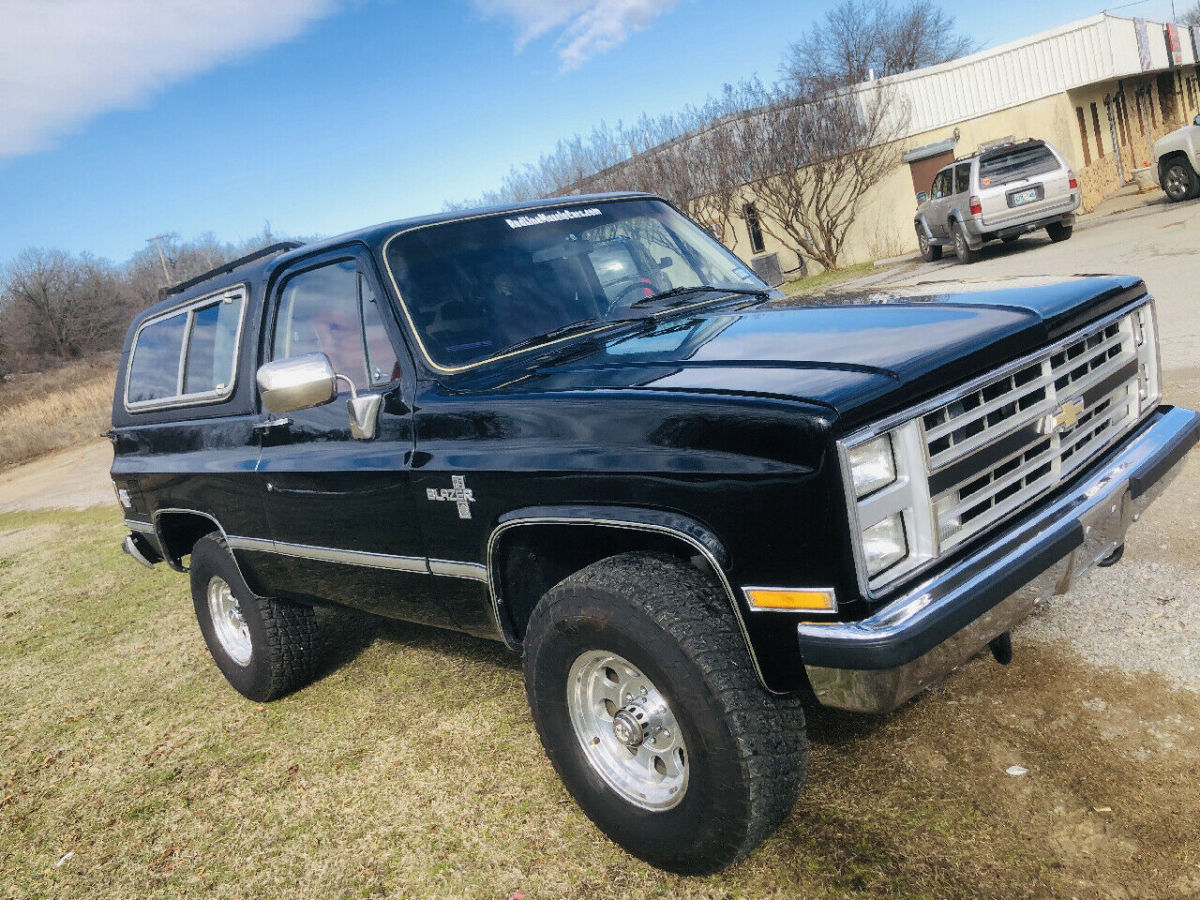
(1000, 192)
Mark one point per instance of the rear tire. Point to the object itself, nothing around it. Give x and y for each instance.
(930, 251)
(265, 648)
(1059, 232)
(1179, 181)
(962, 249)
(659, 637)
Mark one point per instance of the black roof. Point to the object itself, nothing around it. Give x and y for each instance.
(374, 235)
(256, 266)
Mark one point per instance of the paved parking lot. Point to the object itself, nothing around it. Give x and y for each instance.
(1144, 613)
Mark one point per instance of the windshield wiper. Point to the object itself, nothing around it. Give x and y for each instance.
(683, 292)
(561, 332)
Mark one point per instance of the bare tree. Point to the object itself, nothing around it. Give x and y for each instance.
(1192, 16)
(860, 39)
(63, 306)
(814, 159)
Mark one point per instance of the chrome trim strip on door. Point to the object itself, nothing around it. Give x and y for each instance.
(141, 527)
(452, 569)
(417, 564)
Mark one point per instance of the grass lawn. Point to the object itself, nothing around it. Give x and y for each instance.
(128, 768)
(825, 279)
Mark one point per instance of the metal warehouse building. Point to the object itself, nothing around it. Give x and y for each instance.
(1102, 90)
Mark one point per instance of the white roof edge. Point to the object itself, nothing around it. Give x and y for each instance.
(1040, 37)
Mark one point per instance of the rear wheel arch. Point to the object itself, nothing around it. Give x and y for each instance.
(179, 530)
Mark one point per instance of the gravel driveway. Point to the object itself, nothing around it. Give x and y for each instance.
(1144, 613)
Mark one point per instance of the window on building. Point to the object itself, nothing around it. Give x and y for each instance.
(187, 355)
(1096, 129)
(1083, 139)
(754, 226)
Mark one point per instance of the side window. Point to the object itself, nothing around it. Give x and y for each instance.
(331, 310)
(381, 355)
(941, 184)
(962, 178)
(188, 355)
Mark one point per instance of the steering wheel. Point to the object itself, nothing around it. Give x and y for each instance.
(635, 284)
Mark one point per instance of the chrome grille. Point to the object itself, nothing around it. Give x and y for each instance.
(1029, 430)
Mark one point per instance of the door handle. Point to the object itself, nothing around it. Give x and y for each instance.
(272, 423)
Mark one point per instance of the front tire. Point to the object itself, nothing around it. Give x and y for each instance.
(645, 700)
(930, 251)
(265, 648)
(1180, 181)
(962, 249)
(1057, 231)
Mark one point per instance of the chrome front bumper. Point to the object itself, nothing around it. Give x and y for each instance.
(917, 639)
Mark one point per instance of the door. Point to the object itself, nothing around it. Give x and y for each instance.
(939, 201)
(340, 509)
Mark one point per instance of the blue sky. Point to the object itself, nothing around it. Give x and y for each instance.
(325, 115)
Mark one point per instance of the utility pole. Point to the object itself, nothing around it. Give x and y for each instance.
(162, 258)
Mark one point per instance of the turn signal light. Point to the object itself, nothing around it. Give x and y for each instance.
(793, 600)
(976, 206)
(1074, 183)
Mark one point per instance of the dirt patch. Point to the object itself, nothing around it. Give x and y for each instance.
(75, 478)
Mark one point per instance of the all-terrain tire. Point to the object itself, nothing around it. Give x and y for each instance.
(930, 251)
(1057, 231)
(282, 639)
(745, 748)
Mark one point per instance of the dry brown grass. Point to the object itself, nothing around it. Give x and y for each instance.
(411, 769)
(47, 411)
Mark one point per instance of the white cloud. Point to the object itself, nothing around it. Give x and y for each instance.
(584, 28)
(62, 62)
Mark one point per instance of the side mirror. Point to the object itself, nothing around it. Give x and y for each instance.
(922, 196)
(301, 382)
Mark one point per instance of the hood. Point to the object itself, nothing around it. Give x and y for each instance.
(862, 354)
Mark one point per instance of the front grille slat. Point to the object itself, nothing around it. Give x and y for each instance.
(972, 427)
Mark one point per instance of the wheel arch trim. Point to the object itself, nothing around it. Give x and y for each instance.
(172, 560)
(679, 527)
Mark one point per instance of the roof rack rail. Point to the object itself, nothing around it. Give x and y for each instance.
(280, 247)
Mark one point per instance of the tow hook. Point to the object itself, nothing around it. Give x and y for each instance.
(1001, 648)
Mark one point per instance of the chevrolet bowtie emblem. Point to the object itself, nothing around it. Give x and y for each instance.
(1067, 416)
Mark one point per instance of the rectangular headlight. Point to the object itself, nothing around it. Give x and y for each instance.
(872, 466)
(884, 543)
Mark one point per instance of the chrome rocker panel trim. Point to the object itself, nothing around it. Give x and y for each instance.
(878, 663)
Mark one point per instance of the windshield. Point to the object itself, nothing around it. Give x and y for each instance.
(474, 288)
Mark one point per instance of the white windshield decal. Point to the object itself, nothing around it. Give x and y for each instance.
(562, 215)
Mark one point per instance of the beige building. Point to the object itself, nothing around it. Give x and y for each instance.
(1101, 90)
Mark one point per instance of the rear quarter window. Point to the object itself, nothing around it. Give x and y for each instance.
(1015, 164)
(187, 355)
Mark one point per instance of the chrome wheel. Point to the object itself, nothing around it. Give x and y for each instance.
(627, 730)
(1178, 183)
(228, 622)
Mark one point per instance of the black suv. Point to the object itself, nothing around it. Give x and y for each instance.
(584, 428)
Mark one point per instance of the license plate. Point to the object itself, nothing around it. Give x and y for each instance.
(1022, 197)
